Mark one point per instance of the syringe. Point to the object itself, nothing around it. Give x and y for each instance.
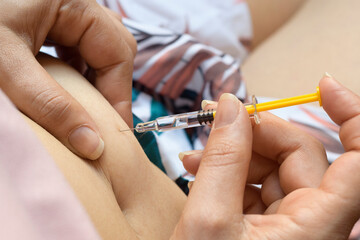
(206, 117)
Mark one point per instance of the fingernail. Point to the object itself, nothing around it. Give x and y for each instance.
(183, 154)
(87, 142)
(331, 78)
(204, 103)
(326, 74)
(227, 110)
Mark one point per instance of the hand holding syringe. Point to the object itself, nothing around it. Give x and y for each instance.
(206, 117)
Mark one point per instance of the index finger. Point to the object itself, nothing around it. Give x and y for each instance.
(301, 158)
(106, 47)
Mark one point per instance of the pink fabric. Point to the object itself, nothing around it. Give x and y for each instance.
(36, 202)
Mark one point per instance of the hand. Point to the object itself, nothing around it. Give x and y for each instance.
(102, 42)
(300, 198)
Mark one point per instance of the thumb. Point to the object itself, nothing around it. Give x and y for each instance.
(42, 99)
(221, 178)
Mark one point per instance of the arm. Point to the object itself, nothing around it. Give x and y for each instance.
(124, 194)
(268, 16)
(321, 37)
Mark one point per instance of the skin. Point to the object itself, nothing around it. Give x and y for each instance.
(99, 39)
(125, 195)
(321, 37)
(299, 190)
(306, 201)
(268, 16)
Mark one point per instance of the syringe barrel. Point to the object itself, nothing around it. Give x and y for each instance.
(184, 120)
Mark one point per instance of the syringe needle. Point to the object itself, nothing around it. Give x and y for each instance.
(129, 129)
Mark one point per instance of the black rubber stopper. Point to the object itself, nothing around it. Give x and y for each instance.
(205, 117)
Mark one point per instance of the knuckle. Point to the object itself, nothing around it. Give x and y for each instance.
(129, 48)
(223, 153)
(72, 8)
(132, 44)
(206, 220)
(214, 223)
(129, 56)
(52, 107)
